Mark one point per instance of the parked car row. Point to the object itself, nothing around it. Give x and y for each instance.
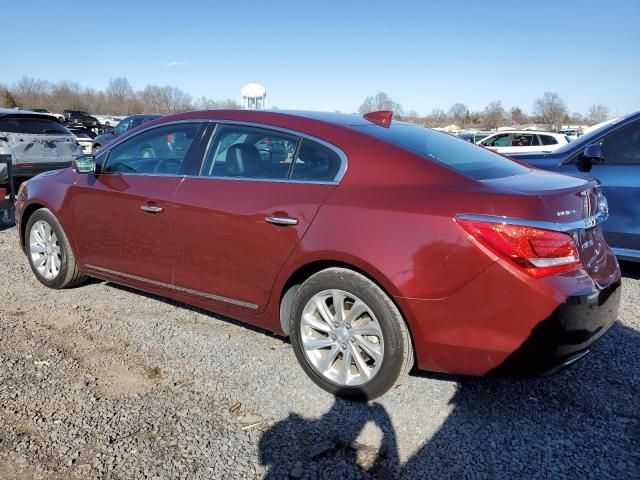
(372, 243)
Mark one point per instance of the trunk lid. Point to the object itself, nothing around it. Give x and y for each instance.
(572, 204)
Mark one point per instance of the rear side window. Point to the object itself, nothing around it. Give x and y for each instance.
(315, 163)
(250, 153)
(37, 126)
(470, 160)
(548, 140)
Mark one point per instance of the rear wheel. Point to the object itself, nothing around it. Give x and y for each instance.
(49, 253)
(349, 336)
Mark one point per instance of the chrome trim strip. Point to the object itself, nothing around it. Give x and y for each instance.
(168, 286)
(569, 227)
(344, 163)
(151, 209)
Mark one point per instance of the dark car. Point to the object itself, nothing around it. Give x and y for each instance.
(80, 117)
(124, 126)
(610, 153)
(372, 243)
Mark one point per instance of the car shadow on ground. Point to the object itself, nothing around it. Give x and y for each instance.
(630, 269)
(582, 422)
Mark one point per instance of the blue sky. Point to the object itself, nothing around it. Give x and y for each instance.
(329, 55)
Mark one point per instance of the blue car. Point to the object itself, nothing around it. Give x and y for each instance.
(610, 153)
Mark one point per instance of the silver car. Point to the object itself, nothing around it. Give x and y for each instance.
(36, 142)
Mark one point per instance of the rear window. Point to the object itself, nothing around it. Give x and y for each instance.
(469, 159)
(36, 126)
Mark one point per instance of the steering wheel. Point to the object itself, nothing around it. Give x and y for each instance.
(147, 152)
(165, 166)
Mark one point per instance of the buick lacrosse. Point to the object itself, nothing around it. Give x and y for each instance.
(374, 244)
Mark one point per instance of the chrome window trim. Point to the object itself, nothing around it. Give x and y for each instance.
(176, 288)
(344, 162)
(568, 227)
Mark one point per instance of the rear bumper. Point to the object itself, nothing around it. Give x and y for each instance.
(508, 323)
(566, 334)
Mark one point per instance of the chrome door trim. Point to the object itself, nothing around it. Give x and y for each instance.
(210, 296)
(281, 220)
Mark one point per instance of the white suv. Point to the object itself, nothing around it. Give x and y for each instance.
(524, 141)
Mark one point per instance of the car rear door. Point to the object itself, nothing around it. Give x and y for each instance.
(119, 216)
(620, 177)
(236, 223)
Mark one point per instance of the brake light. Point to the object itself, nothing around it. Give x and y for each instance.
(536, 251)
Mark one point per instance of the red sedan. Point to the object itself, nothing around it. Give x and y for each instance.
(374, 244)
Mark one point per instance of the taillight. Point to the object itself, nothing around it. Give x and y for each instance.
(536, 251)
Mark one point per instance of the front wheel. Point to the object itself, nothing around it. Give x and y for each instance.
(349, 336)
(49, 253)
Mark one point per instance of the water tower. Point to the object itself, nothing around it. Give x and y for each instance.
(254, 96)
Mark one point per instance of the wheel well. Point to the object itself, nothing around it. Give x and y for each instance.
(299, 276)
(26, 215)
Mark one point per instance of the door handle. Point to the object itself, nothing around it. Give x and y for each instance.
(151, 209)
(282, 220)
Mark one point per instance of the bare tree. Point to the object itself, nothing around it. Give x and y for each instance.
(6, 99)
(31, 93)
(119, 93)
(517, 116)
(458, 112)
(381, 101)
(493, 115)
(598, 113)
(550, 110)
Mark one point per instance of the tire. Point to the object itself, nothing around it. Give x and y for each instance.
(57, 246)
(386, 338)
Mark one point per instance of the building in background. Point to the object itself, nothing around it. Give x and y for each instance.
(254, 96)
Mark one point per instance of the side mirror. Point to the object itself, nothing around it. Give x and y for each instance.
(85, 164)
(593, 153)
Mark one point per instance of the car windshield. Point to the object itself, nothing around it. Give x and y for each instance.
(469, 159)
(32, 126)
(587, 138)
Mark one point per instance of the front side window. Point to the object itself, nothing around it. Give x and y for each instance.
(315, 163)
(160, 150)
(623, 145)
(251, 153)
(501, 140)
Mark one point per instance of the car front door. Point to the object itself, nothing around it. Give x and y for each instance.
(619, 173)
(119, 218)
(236, 223)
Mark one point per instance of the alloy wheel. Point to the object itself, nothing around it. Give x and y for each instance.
(44, 250)
(341, 338)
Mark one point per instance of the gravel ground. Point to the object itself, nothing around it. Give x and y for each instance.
(104, 382)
